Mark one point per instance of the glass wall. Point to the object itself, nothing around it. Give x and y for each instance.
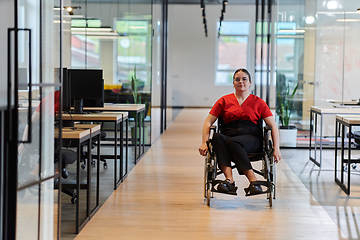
(39, 57)
(117, 38)
(232, 50)
(318, 48)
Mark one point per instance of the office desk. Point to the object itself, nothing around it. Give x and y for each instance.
(95, 130)
(345, 102)
(139, 111)
(343, 121)
(117, 119)
(316, 111)
(81, 136)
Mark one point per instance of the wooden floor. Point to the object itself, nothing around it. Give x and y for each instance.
(162, 198)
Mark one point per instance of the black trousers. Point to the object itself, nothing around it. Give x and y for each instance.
(235, 148)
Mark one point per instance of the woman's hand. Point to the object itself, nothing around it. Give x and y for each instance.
(203, 149)
(277, 155)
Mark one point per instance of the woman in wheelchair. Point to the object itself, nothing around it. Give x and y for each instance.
(240, 135)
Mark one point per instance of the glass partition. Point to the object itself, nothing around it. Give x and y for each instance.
(116, 37)
(317, 46)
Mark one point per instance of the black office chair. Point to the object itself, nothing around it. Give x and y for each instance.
(68, 157)
(265, 155)
(94, 142)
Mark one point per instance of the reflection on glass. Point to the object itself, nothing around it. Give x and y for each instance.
(290, 59)
(49, 210)
(232, 50)
(27, 213)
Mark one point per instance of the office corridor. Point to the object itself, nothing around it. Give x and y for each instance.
(162, 198)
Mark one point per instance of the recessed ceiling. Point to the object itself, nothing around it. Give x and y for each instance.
(247, 2)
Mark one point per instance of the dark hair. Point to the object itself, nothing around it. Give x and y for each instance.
(242, 70)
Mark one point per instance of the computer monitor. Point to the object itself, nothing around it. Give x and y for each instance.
(87, 88)
(66, 92)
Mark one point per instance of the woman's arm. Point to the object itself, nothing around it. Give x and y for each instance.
(205, 133)
(270, 121)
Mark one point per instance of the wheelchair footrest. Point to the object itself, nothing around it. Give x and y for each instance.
(254, 187)
(222, 186)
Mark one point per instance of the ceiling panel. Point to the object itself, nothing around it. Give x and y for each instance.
(247, 2)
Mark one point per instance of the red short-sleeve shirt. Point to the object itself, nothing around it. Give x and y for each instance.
(252, 109)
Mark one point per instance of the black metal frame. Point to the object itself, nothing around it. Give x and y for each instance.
(262, 6)
(163, 103)
(10, 133)
(340, 127)
(119, 124)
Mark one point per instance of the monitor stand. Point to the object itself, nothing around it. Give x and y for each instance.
(79, 107)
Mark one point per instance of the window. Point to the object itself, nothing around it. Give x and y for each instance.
(85, 46)
(134, 51)
(232, 50)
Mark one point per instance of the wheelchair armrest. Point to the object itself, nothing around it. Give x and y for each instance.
(213, 128)
(267, 128)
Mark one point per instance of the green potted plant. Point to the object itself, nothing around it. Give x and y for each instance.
(287, 132)
(134, 87)
(135, 83)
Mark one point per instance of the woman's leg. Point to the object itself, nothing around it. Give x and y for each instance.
(238, 147)
(222, 154)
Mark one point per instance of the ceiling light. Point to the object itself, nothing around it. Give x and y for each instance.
(358, 10)
(137, 27)
(332, 5)
(347, 20)
(291, 31)
(309, 20)
(68, 8)
(92, 29)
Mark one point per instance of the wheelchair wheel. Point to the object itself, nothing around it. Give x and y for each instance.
(269, 177)
(270, 196)
(206, 174)
(209, 176)
(208, 197)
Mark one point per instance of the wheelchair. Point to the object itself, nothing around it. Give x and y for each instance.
(266, 156)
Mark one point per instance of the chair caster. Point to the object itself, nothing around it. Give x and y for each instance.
(93, 163)
(83, 166)
(74, 200)
(105, 165)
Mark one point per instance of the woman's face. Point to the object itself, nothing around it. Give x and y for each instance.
(241, 81)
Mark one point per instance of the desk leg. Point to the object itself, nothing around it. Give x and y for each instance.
(342, 152)
(311, 129)
(115, 156)
(77, 188)
(321, 136)
(140, 134)
(143, 129)
(136, 143)
(98, 172)
(349, 162)
(315, 137)
(121, 151)
(336, 146)
(127, 146)
(88, 178)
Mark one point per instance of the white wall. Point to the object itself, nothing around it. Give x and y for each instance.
(192, 56)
